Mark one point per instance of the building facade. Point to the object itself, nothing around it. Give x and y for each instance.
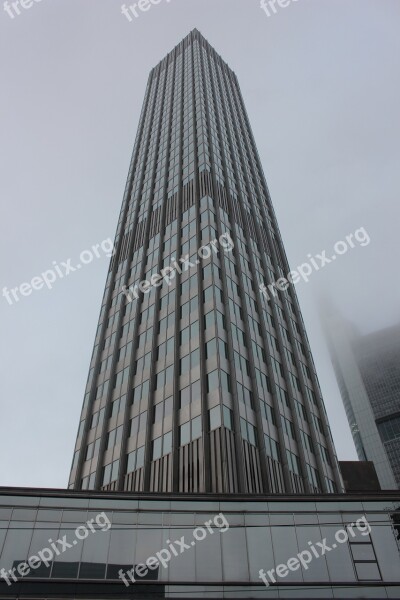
(367, 369)
(198, 381)
(70, 544)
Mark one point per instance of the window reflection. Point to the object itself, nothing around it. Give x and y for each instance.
(234, 555)
(66, 565)
(16, 545)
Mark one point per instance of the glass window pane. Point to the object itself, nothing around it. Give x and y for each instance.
(167, 444)
(184, 567)
(196, 391)
(94, 556)
(340, 564)
(212, 382)
(215, 417)
(196, 428)
(185, 434)
(134, 426)
(234, 555)
(386, 548)
(227, 413)
(260, 551)
(114, 471)
(185, 396)
(66, 565)
(149, 542)
(140, 457)
(121, 553)
(40, 540)
(367, 571)
(362, 552)
(317, 569)
(131, 461)
(158, 412)
(168, 407)
(157, 444)
(16, 546)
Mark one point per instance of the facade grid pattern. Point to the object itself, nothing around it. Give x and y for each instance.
(200, 385)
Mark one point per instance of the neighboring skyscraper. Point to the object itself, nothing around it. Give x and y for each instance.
(367, 369)
(199, 384)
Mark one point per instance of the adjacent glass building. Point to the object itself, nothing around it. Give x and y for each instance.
(228, 541)
(198, 381)
(367, 369)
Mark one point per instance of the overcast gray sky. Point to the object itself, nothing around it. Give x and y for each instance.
(321, 82)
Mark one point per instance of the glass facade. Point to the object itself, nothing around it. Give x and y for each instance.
(368, 372)
(198, 382)
(228, 542)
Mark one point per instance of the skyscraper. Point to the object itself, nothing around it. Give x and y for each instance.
(367, 369)
(198, 381)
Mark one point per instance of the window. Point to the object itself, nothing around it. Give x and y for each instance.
(227, 417)
(89, 452)
(157, 448)
(331, 485)
(184, 434)
(92, 480)
(318, 424)
(189, 362)
(81, 428)
(313, 477)
(110, 472)
(168, 405)
(167, 443)
(245, 395)
(184, 397)
(190, 431)
(364, 559)
(225, 382)
(209, 320)
(293, 462)
(283, 396)
(215, 417)
(263, 384)
(241, 364)
(301, 411)
(211, 348)
(389, 429)
(140, 457)
(208, 295)
(268, 413)
(190, 394)
(288, 428)
(118, 406)
(142, 421)
(271, 447)
(114, 437)
(325, 455)
(94, 421)
(121, 378)
(131, 462)
(140, 391)
(212, 382)
(164, 378)
(76, 458)
(162, 409)
(196, 428)
(162, 446)
(367, 571)
(134, 426)
(248, 432)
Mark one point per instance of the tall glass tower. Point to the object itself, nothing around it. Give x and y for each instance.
(199, 382)
(367, 369)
